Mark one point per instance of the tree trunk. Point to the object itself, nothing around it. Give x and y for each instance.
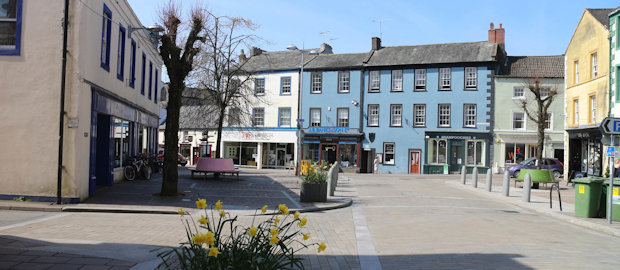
(541, 134)
(170, 179)
(220, 124)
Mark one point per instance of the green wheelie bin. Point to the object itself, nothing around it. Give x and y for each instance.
(615, 209)
(588, 196)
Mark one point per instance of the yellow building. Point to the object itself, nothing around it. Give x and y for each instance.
(587, 93)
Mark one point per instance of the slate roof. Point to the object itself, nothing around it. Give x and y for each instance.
(548, 66)
(344, 60)
(272, 61)
(601, 15)
(434, 54)
(196, 117)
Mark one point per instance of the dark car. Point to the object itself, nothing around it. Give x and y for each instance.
(180, 158)
(548, 163)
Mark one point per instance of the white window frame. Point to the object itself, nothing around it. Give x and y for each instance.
(284, 120)
(344, 81)
(420, 80)
(342, 121)
(445, 78)
(316, 81)
(374, 78)
(576, 112)
(397, 80)
(576, 67)
(471, 78)
(259, 88)
(285, 85)
(389, 148)
(513, 121)
(258, 117)
(549, 121)
(373, 115)
(396, 115)
(443, 115)
(419, 115)
(592, 118)
(469, 115)
(433, 153)
(315, 122)
(516, 91)
(594, 62)
(475, 154)
(544, 92)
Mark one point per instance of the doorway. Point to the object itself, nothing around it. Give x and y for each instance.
(196, 155)
(103, 154)
(328, 153)
(456, 157)
(414, 161)
(367, 161)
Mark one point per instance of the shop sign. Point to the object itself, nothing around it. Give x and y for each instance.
(331, 130)
(452, 137)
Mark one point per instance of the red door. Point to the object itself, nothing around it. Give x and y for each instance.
(415, 161)
(196, 155)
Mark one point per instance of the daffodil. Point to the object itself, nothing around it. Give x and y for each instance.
(218, 205)
(306, 236)
(198, 238)
(181, 212)
(203, 220)
(274, 240)
(283, 209)
(302, 222)
(253, 231)
(276, 219)
(264, 209)
(322, 247)
(213, 252)
(296, 215)
(274, 231)
(209, 238)
(201, 203)
(222, 213)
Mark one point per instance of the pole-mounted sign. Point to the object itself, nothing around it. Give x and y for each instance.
(610, 126)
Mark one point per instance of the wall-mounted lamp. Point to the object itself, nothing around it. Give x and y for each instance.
(354, 102)
(153, 30)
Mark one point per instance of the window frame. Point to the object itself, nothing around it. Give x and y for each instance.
(575, 111)
(132, 64)
(550, 121)
(341, 82)
(422, 73)
(475, 154)
(415, 115)
(394, 81)
(441, 86)
(312, 123)
(18, 31)
(433, 152)
(393, 115)
(150, 79)
(256, 87)
(466, 115)
(120, 56)
(316, 84)
(254, 113)
(369, 115)
(592, 109)
(156, 82)
(475, 78)
(393, 153)
(338, 110)
(280, 122)
(371, 87)
(593, 65)
(282, 85)
(514, 91)
(576, 72)
(439, 114)
(143, 82)
(106, 35)
(523, 121)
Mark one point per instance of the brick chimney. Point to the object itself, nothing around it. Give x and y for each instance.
(376, 43)
(496, 35)
(242, 56)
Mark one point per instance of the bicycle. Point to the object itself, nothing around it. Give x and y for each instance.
(137, 166)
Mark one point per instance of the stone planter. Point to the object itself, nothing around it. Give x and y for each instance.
(313, 192)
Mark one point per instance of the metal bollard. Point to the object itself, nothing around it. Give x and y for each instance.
(474, 177)
(489, 180)
(463, 175)
(527, 187)
(506, 184)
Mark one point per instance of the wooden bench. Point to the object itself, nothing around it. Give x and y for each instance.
(215, 165)
(538, 176)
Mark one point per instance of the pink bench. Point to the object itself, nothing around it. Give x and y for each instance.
(215, 165)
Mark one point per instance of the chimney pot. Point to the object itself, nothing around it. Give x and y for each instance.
(492, 26)
(496, 35)
(500, 26)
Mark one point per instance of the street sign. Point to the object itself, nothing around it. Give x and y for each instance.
(611, 151)
(300, 119)
(611, 126)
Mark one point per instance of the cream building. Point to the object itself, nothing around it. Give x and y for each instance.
(110, 102)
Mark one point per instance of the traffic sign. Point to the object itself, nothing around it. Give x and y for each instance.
(611, 126)
(300, 119)
(611, 151)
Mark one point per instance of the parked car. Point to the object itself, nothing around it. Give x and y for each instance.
(181, 160)
(548, 163)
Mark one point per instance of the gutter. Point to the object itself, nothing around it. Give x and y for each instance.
(63, 80)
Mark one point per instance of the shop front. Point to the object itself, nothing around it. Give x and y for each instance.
(260, 148)
(585, 152)
(448, 152)
(331, 144)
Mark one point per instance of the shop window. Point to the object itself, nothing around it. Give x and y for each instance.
(397, 80)
(348, 154)
(311, 152)
(121, 142)
(388, 153)
(475, 153)
(315, 117)
(437, 151)
(515, 153)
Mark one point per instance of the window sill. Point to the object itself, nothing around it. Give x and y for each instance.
(419, 126)
(446, 89)
(470, 89)
(389, 164)
(285, 94)
(444, 126)
(347, 92)
(315, 93)
(396, 90)
(397, 126)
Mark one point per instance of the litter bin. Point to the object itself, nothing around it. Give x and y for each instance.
(615, 209)
(588, 196)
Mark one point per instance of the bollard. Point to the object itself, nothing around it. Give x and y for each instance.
(489, 180)
(474, 177)
(463, 175)
(527, 186)
(506, 184)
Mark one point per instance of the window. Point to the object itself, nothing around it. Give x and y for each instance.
(373, 115)
(576, 66)
(143, 83)
(10, 27)
(544, 92)
(259, 86)
(258, 117)
(315, 117)
(344, 81)
(375, 81)
(397, 80)
(444, 78)
(120, 57)
(285, 85)
(156, 83)
(518, 120)
(343, 117)
(518, 93)
(471, 78)
(419, 115)
(576, 112)
(475, 153)
(121, 142)
(515, 153)
(444, 115)
(316, 81)
(234, 116)
(284, 117)
(132, 64)
(396, 115)
(469, 115)
(549, 121)
(420, 79)
(437, 151)
(150, 78)
(388, 153)
(594, 63)
(105, 38)
(592, 118)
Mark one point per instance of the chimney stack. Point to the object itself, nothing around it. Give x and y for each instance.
(496, 35)
(254, 51)
(376, 43)
(242, 56)
(326, 49)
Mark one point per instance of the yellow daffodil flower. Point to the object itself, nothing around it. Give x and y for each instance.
(218, 205)
(213, 252)
(274, 240)
(253, 231)
(222, 213)
(306, 236)
(203, 220)
(198, 238)
(274, 231)
(209, 238)
(201, 204)
(296, 214)
(302, 222)
(181, 212)
(276, 220)
(264, 209)
(325, 167)
(283, 209)
(322, 247)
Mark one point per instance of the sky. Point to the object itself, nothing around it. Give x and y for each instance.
(532, 27)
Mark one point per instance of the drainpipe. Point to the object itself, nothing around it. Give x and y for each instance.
(62, 102)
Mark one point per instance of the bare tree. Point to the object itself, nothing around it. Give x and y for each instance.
(178, 59)
(221, 72)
